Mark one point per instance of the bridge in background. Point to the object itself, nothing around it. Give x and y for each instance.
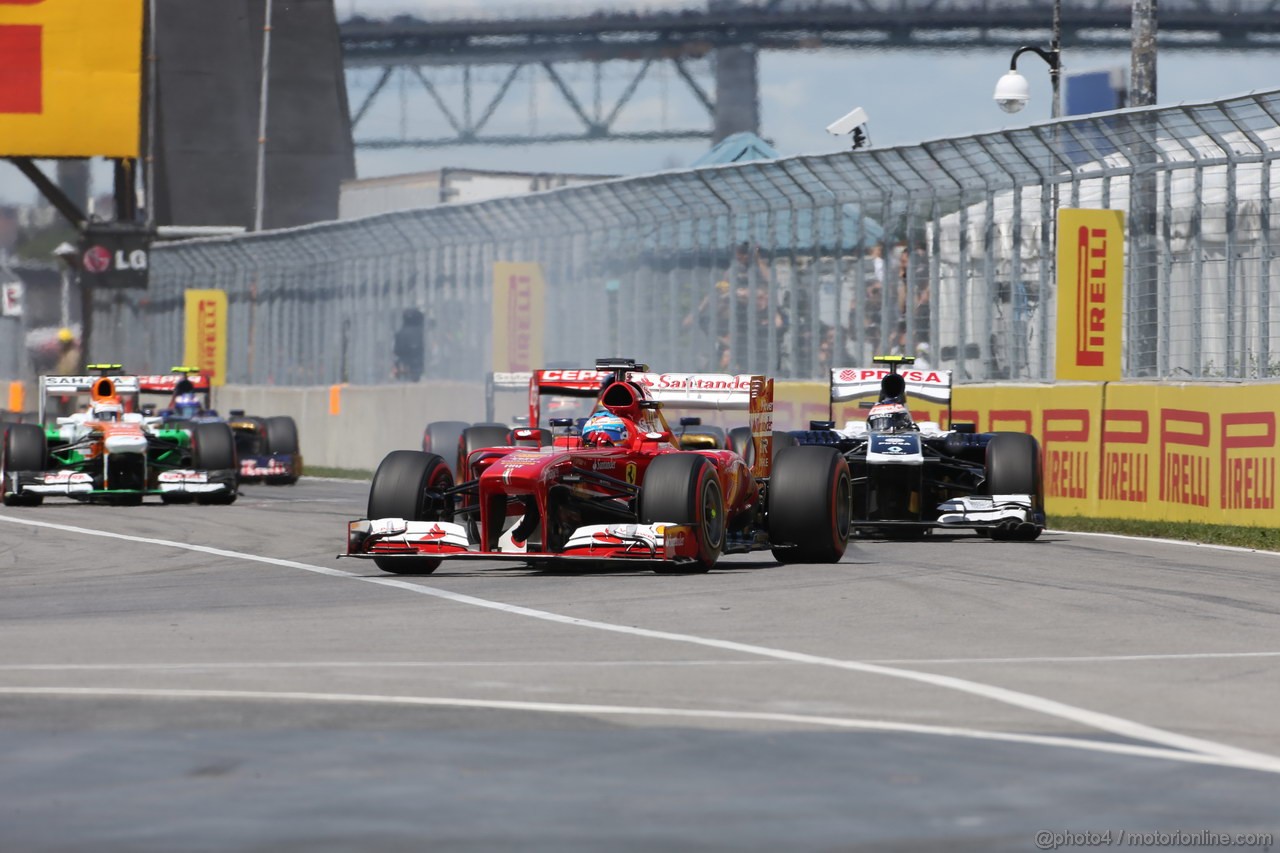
(711, 50)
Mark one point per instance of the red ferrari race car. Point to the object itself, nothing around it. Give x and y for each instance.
(556, 393)
(620, 489)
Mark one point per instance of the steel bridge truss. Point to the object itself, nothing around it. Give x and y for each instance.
(597, 115)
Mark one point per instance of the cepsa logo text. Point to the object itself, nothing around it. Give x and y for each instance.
(1091, 296)
(21, 65)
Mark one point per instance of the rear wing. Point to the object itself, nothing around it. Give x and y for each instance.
(585, 383)
(563, 383)
(753, 394)
(853, 383)
(65, 386)
(164, 383)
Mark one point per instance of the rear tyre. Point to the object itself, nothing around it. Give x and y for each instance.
(441, 438)
(213, 448)
(24, 450)
(809, 505)
(477, 438)
(1013, 468)
(405, 486)
(543, 439)
(282, 440)
(704, 437)
(740, 437)
(682, 488)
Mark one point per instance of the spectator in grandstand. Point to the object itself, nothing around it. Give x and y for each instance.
(409, 346)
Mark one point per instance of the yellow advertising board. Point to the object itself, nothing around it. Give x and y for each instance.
(519, 316)
(1195, 453)
(70, 78)
(205, 343)
(1090, 294)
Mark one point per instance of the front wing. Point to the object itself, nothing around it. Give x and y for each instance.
(642, 543)
(79, 484)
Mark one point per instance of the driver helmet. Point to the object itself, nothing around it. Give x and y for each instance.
(186, 404)
(605, 429)
(889, 416)
(107, 411)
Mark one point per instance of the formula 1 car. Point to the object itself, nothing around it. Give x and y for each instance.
(562, 392)
(558, 393)
(620, 491)
(909, 478)
(112, 453)
(266, 447)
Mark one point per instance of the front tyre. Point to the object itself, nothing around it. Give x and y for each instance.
(1013, 468)
(682, 488)
(407, 485)
(809, 505)
(24, 449)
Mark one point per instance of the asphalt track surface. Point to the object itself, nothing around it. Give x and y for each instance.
(192, 678)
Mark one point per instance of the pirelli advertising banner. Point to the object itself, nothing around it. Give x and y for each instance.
(206, 333)
(519, 318)
(1200, 453)
(70, 78)
(1090, 294)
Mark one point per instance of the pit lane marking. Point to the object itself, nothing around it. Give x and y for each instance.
(635, 711)
(1235, 756)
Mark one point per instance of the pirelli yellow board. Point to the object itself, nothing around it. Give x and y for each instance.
(1090, 294)
(70, 78)
(1203, 453)
(519, 316)
(205, 344)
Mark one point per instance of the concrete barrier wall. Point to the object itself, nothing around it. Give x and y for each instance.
(370, 421)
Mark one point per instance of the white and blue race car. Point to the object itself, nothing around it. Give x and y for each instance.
(909, 477)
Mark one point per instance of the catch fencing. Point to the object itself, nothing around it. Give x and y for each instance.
(943, 249)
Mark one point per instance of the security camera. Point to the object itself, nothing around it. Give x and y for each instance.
(847, 124)
(1012, 91)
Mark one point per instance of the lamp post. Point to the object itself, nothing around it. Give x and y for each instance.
(67, 255)
(1012, 91)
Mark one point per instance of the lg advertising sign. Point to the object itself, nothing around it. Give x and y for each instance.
(115, 257)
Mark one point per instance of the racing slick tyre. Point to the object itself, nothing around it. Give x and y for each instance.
(739, 442)
(251, 441)
(442, 438)
(704, 437)
(477, 438)
(543, 439)
(282, 439)
(400, 489)
(24, 450)
(213, 448)
(682, 488)
(1013, 468)
(809, 505)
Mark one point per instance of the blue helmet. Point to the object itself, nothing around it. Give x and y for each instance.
(186, 404)
(605, 428)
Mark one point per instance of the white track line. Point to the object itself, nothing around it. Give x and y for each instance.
(1049, 707)
(1186, 543)
(578, 664)
(635, 711)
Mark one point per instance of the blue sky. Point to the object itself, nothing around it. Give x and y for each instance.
(910, 96)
